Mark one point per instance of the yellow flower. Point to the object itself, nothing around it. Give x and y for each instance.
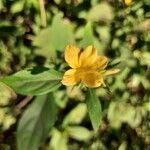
(128, 2)
(87, 67)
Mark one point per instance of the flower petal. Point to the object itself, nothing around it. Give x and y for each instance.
(69, 77)
(72, 56)
(111, 72)
(101, 62)
(88, 57)
(92, 79)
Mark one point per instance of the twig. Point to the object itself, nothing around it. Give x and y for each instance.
(22, 104)
(42, 12)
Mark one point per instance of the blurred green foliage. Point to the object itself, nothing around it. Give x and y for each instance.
(33, 36)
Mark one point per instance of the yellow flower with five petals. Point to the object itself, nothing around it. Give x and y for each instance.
(86, 66)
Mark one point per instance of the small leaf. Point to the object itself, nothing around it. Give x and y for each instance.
(36, 81)
(123, 146)
(94, 109)
(113, 63)
(17, 7)
(111, 72)
(79, 133)
(76, 115)
(6, 93)
(36, 122)
(58, 140)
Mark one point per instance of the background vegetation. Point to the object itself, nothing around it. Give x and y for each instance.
(33, 33)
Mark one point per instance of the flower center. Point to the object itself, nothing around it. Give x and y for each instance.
(81, 72)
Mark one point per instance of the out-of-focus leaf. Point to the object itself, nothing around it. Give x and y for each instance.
(101, 12)
(33, 4)
(94, 2)
(119, 80)
(34, 81)
(61, 98)
(6, 118)
(75, 93)
(17, 6)
(144, 57)
(79, 133)
(5, 57)
(6, 93)
(88, 37)
(59, 140)
(104, 35)
(43, 43)
(8, 121)
(36, 122)
(113, 63)
(138, 79)
(143, 26)
(98, 145)
(1, 5)
(76, 115)
(94, 108)
(146, 106)
(54, 38)
(61, 33)
(123, 146)
(120, 112)
(57, 1)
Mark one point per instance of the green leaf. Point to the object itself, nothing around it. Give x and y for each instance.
(58, 35)
(58, 140)
(17, 6)
(94, 108)
(36, 122)
(57, 2)
(79, 133)
(6, 93)
(101, 12)
(121, 112)
(123, 146)
(76, 115)
(146, 106)
(36, 81)
(44, 46)
(61, 33)
(88, 37)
